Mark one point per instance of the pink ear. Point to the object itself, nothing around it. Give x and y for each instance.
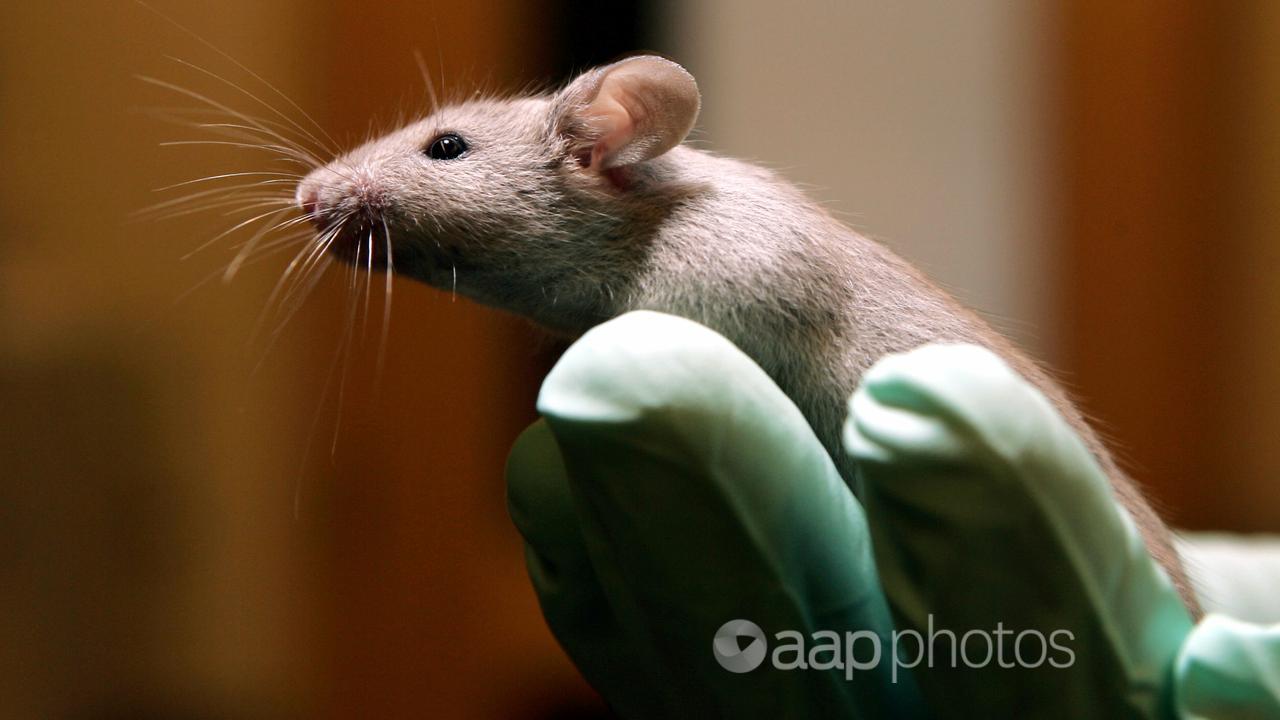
(628, 112)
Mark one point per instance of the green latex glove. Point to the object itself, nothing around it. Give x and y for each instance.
(674, 488)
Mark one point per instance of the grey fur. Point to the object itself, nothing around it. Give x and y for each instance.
(520, 223)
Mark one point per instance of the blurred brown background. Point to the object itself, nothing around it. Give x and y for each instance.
(180, 533)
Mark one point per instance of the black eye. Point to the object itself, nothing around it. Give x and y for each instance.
(446, 147)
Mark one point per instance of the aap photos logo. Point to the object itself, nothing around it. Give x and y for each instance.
(739, 646)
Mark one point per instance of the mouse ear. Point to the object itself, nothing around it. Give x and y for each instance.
(628, 112)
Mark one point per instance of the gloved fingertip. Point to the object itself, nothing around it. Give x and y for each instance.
(644, 362)
(538, 496)
(880, 432)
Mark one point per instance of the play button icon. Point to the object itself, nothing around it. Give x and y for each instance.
(739, 646)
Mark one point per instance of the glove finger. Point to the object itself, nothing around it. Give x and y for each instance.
(572, 602)
(999, 543)
(704, 497)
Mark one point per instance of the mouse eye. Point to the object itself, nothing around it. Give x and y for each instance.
(446, 147)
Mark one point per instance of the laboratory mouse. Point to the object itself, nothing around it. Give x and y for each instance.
(573, 207)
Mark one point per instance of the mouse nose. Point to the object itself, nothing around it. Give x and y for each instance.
(308, 199)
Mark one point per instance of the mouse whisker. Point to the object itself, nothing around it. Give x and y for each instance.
(426, 80)
(182, 116)
(300, 275)
(318, 244)
(265, 251)
(300, 219)
(435, 28)
(217, 105)
(267, 228)
(330, 149)
(353, 305)
(293, 238)
(263, 190)
(237, 131)
(310, 262)
(283, 204)
(355, 271)
(238, 204)
(196, 36)
(368, 283)
(315, 261)
(386, 311)
(233, 228)
(279, 150)
(194, 195)
(317, 275)
(224, 176)
(267, 202)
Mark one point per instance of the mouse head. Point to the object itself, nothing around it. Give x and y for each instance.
(522, 203)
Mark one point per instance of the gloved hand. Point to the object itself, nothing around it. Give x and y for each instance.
(673, 488)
